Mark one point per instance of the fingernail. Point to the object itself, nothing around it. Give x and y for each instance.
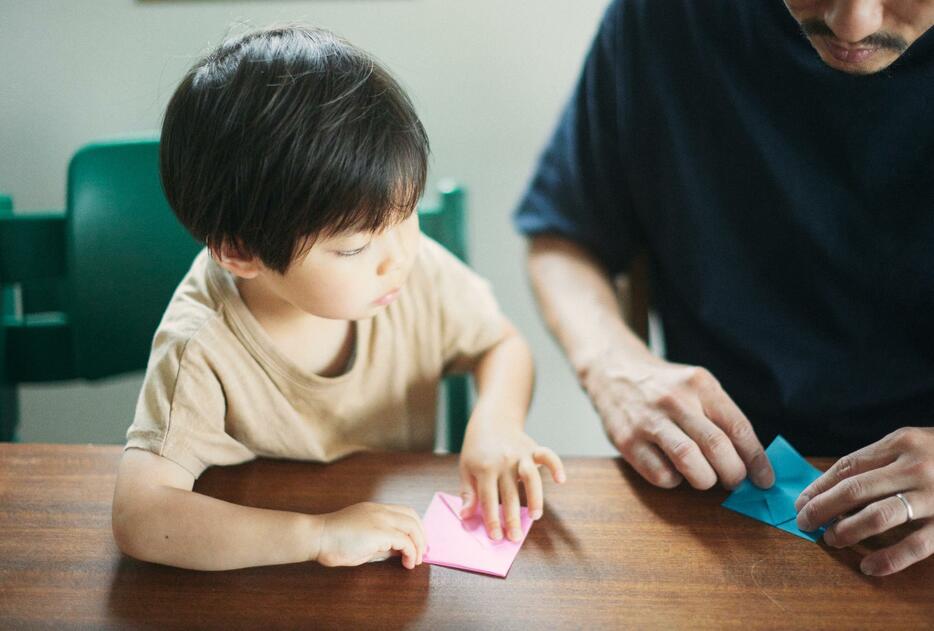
(804, 524)
(830, 539)
(801, 501)
(868, 569)
(515, 534)
(536, 515)
(497, 534)
(561, 478)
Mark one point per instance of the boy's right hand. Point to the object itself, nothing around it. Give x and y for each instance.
(371, 532)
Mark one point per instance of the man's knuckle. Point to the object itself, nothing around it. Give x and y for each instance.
(741, 430)
(853, 489)
(625, 443)
(668, 402)
(758, 457)
(697, 377)
(660, 475)
(921, 547)
(882, 519)
(924, 470)
(716, 442)
(908, 438)
(655, 429)
(683, 450)
(886, 563)
(844, 465)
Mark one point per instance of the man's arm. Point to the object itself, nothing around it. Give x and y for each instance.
(158, 518)
(668, 420)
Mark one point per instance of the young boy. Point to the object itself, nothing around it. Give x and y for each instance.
(317, 322)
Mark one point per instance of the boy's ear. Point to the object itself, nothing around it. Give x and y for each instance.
(236, 263)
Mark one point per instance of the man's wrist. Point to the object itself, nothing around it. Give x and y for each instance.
(630, 364)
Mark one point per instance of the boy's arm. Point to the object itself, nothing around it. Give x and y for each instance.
(158, 518)
(497, 453)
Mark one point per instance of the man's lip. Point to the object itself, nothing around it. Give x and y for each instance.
(848, 54)
(388, 297)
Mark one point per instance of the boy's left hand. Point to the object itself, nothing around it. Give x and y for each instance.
(492, 462)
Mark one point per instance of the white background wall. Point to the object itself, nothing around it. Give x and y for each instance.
(488, 79)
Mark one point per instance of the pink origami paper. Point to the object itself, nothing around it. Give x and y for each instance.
(464, 544)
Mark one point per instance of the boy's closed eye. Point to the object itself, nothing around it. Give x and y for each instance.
(352, 252)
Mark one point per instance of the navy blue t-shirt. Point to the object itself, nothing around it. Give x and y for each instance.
(787, 210)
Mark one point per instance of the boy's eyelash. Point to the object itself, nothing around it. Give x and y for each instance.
(352, 252)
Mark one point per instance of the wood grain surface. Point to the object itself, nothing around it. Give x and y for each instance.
(611, 552)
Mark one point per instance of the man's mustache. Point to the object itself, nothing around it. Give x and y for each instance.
(816, 27)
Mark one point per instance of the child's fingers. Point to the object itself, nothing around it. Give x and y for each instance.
(532, 482)
(489, 499)
(408, 522)
(545, 456)
(402, 543)
(509, 493)
(468, 494)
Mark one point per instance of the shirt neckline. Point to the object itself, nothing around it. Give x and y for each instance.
(258, 342)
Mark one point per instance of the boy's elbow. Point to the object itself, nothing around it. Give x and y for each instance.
(125, 531)
(129, 521)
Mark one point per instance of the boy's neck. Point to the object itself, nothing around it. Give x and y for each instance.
(316, 345)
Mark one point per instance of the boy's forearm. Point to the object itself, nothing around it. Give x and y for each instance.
(189, 530)
(504, 378)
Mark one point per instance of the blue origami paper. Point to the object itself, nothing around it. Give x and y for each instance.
(776, 506)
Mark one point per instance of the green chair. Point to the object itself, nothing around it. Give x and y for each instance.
(82, 291)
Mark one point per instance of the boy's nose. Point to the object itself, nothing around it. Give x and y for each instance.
(389, 264)
(395, 255)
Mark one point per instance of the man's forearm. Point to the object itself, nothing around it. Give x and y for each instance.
(186, 529)
(579, 305)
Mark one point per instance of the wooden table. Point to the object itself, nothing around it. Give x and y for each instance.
(611, 552)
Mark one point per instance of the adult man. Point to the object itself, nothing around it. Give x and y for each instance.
(785, 202)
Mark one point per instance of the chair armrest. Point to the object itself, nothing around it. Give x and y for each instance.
(32, 245)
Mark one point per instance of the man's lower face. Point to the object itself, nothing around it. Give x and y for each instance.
(853, 58)
(873, 52)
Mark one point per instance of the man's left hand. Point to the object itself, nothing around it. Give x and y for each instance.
(862, 489)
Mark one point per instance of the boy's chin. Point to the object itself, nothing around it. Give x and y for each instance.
(371, 312)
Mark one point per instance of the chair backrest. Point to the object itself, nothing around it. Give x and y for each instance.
(126, 253)
(94, 281)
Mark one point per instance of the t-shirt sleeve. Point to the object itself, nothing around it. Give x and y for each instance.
(470, 318)
(578, 188)
(181, 410)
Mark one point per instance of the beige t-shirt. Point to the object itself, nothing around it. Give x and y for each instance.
(217, 392)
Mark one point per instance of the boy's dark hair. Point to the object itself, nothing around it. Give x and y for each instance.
(287, 134)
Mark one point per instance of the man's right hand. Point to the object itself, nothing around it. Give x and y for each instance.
(673, 421)
(371, 532)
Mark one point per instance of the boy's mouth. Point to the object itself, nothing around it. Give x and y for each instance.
(388, 297)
